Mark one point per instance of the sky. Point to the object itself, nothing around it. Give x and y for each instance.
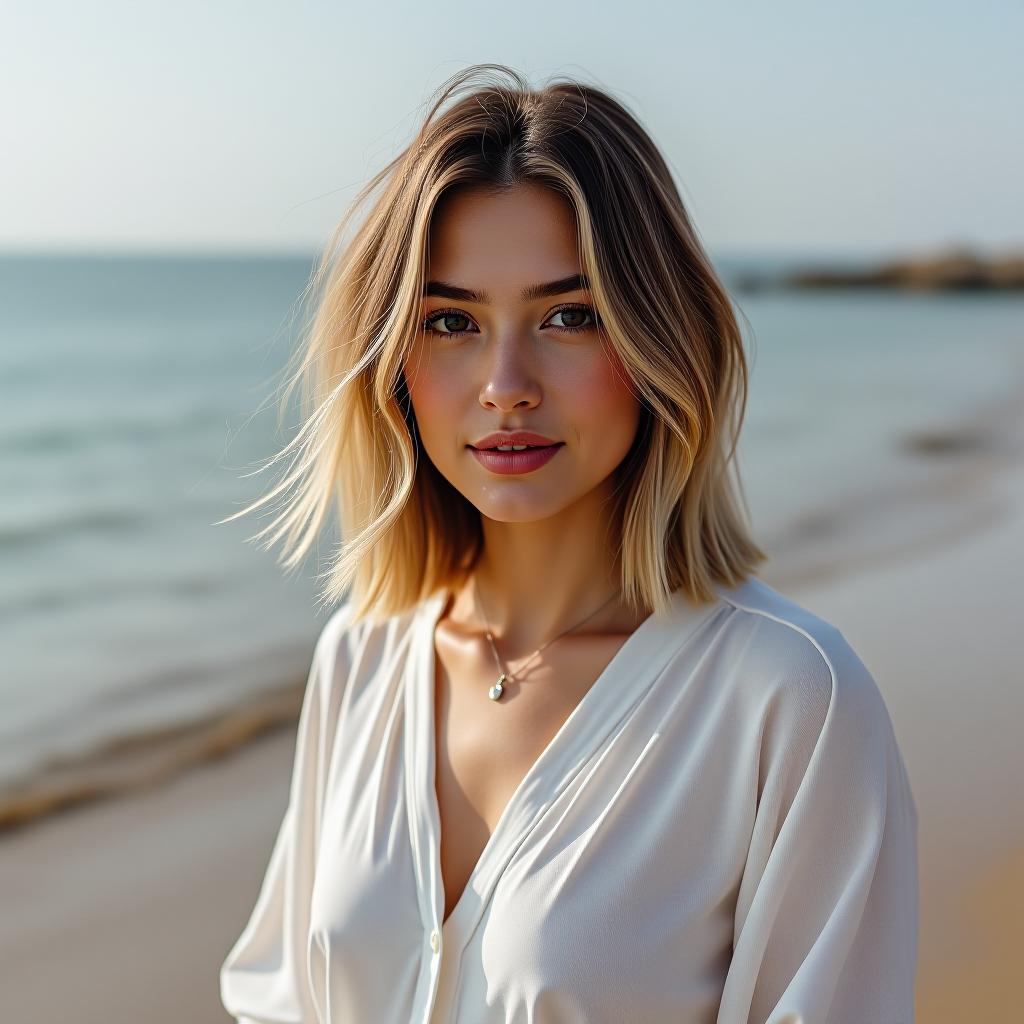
(790, 127)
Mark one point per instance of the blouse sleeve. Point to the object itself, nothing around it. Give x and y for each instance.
(265, 977)
(827, 912)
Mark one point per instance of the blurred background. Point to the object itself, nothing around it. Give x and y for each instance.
(170, 173)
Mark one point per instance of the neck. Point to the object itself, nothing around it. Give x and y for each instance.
(537, 579)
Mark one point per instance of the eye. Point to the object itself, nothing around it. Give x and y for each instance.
(446, 317)
(451, 323)
(575, 317)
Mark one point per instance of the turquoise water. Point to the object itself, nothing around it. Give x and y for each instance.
(127, 393)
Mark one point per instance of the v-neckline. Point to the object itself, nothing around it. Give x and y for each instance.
(625, 678)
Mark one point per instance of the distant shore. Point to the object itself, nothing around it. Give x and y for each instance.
(957, 269)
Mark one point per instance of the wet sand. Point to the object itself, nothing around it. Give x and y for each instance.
(122, 910)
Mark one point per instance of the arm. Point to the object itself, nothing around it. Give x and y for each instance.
(265, 977)
(826, 918)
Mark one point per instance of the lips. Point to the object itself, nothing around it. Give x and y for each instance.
(504, 438)
(513, 445)
(506, 463)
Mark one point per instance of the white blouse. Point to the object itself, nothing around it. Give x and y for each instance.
(721, 831)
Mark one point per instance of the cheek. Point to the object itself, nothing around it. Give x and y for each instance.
(616, 370)
(431, 395)
(605, 396)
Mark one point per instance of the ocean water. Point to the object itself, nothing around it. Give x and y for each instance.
(129, 398)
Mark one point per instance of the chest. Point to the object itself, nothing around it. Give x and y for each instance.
(484, 748)
(601, 887)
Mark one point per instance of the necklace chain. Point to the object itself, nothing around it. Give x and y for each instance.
(504, 675)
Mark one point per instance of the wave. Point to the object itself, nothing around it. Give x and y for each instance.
(99, 520)
(65, 595)
(49, 438)
(143, 760)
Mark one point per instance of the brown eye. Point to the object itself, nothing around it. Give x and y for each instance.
(573, 317)
(451, 321)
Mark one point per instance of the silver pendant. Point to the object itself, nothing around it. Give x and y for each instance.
(496, 690)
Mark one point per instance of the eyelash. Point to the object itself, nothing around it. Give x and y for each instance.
(438, 313)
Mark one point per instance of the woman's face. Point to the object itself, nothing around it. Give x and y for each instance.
(492, 356)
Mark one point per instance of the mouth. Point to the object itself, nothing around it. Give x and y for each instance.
(520, 459)
(514, 447)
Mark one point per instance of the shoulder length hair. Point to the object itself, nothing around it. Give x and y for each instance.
(679, 514)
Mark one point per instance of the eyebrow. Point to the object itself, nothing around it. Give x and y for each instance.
(573, 283)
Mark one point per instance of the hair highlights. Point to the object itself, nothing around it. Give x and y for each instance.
(405, 530)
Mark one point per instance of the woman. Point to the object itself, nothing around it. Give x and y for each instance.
(562, 756)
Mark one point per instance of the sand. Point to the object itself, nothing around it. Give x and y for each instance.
(123, 909)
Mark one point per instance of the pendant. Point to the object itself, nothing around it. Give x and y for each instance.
(496, 690)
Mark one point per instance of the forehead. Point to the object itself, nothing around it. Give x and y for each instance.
(519, 236)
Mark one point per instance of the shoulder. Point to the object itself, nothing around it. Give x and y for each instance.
(796, 668)
(337, 636)
(349, 653)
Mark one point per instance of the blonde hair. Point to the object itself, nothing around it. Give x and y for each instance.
(406, 531)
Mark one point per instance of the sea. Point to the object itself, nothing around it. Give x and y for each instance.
(138, 401)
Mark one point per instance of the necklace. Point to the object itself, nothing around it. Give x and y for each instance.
(497, 689)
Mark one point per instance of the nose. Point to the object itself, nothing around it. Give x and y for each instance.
(509, 382)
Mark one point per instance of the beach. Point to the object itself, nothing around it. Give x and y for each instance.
(126, 875)
(123, 909)
(221, 245)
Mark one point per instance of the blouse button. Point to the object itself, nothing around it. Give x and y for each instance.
(435, 941)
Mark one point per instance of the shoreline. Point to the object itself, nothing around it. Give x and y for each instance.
(937, 634)
(959, 498)
(910, 522)
(124, 909)
(133, 903)
(146, 760)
